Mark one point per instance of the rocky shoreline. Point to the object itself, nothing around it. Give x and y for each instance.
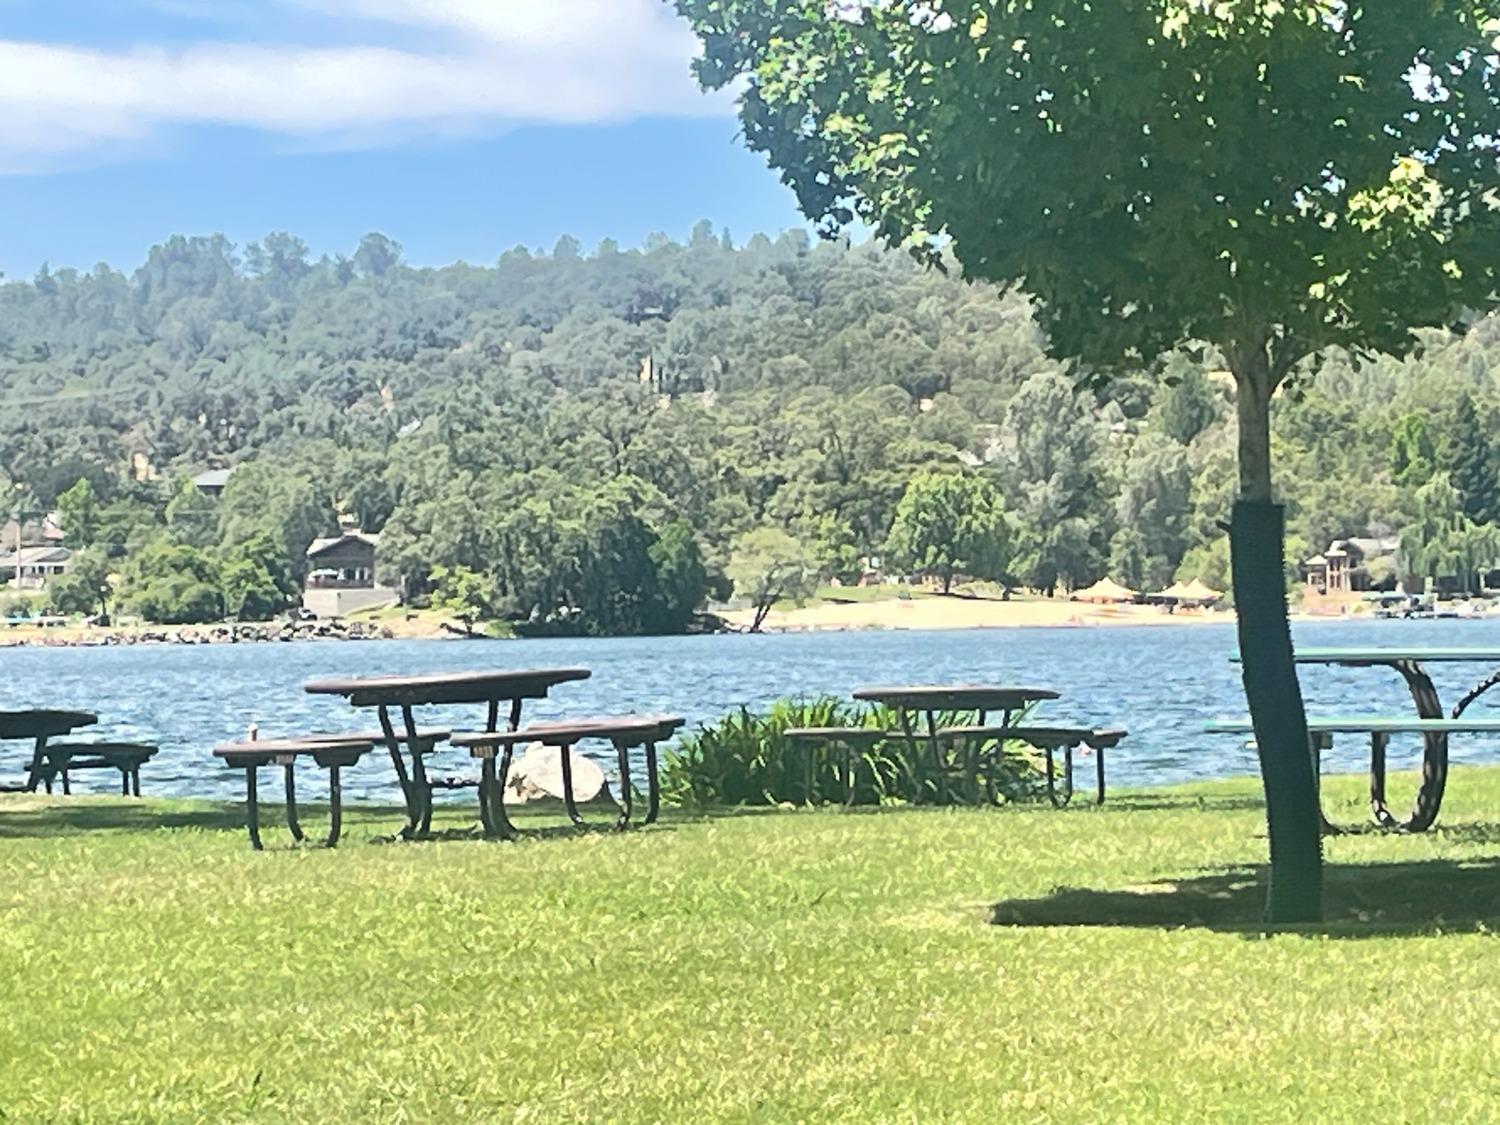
(198, 635)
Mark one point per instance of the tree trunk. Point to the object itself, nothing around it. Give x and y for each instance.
(1257, 551)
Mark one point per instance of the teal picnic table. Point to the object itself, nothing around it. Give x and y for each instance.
(1434, 724)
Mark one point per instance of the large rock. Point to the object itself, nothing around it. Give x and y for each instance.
(538, 775)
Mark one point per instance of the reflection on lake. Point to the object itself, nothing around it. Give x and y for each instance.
(1160, 682)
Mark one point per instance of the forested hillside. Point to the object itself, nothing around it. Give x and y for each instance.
(591, 438)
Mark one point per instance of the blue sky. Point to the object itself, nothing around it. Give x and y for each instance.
(459, 127)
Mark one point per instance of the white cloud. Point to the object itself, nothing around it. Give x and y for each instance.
(454, 63)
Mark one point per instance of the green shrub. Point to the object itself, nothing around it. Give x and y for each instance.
(746, 759)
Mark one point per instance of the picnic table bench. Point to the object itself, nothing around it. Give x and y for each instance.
(1049, 740)
(625, 733)
(1321, 730)
(333, 753)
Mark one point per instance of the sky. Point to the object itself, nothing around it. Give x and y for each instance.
(461, 128)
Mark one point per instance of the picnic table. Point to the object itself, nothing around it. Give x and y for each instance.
(1433, 723)
(932, 700)
(625, 733)
(38, 727)
(409, 750)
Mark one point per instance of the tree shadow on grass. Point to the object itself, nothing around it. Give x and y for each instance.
(1360, 900)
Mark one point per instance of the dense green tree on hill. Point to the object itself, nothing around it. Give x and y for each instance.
(949, 524)
(170, 584)
(1466, 455)
(766, 565)
(78, 509)
(84, 588)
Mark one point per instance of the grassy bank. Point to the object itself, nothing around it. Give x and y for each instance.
(770, 966)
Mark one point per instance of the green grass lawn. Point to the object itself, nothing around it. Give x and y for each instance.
(772, 966)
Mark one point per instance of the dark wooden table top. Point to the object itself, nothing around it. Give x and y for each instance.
(43, 723)
(449, 687)
(955, 697)
(642, 728)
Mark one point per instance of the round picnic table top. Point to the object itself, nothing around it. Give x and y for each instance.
(955, 697)
(447, 687)
(644, 728)
(43, 723)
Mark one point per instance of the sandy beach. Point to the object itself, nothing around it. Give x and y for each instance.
(968, 613)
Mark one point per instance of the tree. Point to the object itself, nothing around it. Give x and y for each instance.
(766, 565)
(1443, 542)
(377, 255)
(1465, 455)
(947, 524)
(1274, 179)
(467, 594)
(1053, 477)
(681, 579)
(170, 584)
(84, 587)
(1188, 405)
(192, 517)
(78, 509)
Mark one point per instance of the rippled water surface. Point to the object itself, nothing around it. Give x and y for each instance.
(1161, 683)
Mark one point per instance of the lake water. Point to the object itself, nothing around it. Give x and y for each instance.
(1159, 682)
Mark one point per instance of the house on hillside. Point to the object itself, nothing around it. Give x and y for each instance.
(341, 575)
(1354, 566)
(212, 482)
(31, 568)
(46, 532)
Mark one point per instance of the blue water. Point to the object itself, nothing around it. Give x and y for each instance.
(1161, 683)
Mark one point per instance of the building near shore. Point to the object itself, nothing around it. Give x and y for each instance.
(341, 575)
(31, 568)
(1354, 566)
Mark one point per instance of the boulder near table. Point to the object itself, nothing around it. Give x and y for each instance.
(931, 700)
(489, 689)
(625, 733)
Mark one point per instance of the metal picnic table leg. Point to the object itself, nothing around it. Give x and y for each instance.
(1065, 797)
(418, 769)
(335, 807)
(40, 772)
(1435, 752)
(252, 807)
(291, 799)
(393, 744)
(653, 785)
(622, 753)
(1316, 745)
(936, 750)
(1098, 775)
(1379, 741)
(918, 773)
(492, 779)
(569, 802)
